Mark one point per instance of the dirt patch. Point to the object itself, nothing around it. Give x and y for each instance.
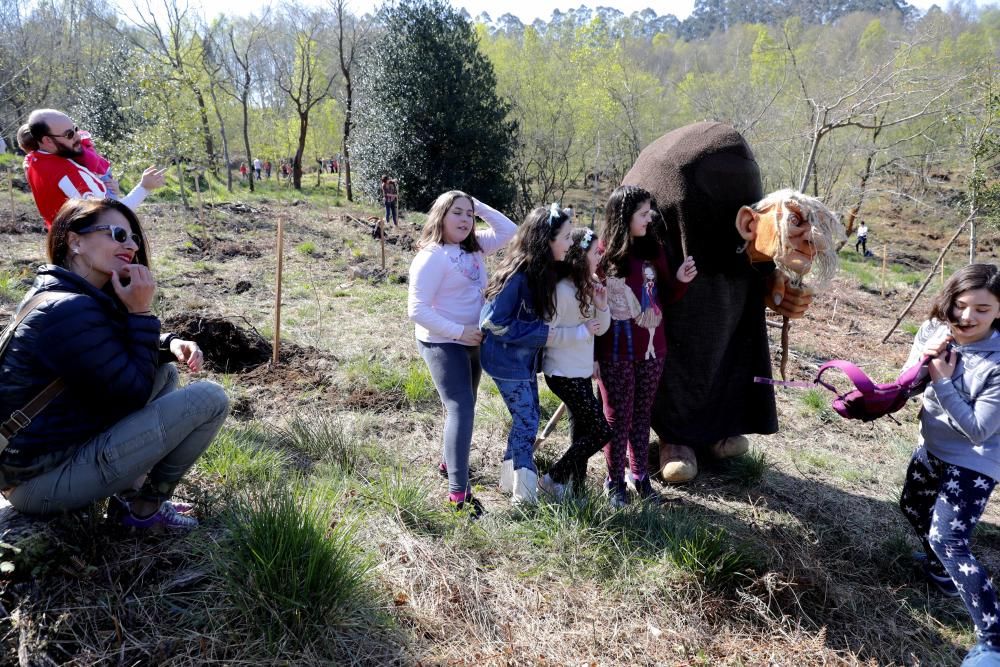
(227, 347)
(23, 223)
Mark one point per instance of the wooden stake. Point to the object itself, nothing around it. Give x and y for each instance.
(381, 236)
(942, 272)
(10, 191)
(885, 256)
(197, 189)
(276, 344)
(549, 427)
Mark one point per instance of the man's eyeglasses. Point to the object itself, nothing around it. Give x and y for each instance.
(119, 234)
(68, 134)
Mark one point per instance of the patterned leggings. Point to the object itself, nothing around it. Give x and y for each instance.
(521, 397)
(944, 503)
(588, 429)
(628, 389)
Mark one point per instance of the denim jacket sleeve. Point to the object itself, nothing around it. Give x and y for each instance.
(511, 318)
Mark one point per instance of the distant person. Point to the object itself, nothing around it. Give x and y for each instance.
(119, 414)
(956, 465)
(244, 171)
(390, 194)
(257, 166)
(447, 278)
(267, 169)
(862, 241)
(56, 166)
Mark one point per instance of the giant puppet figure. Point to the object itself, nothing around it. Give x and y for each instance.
(706, 182)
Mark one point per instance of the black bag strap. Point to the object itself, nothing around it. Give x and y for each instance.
(20, 419)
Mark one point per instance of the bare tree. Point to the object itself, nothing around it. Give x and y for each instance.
(352, 38)
(893, 92)
(303, 73)
(173, 44)
(213, 64)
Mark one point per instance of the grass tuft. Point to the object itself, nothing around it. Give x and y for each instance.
(410, 500)
(244, 456)
(290, 565)
(327, 440)
(748, 470)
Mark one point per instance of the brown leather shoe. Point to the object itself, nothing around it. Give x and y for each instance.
(730, 447)
(678, 463)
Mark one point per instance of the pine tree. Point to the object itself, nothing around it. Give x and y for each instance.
(428, 112)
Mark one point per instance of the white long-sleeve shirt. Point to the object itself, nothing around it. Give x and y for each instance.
(570, 353)
(447, 283)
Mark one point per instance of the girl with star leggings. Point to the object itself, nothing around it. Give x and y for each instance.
(957, 461)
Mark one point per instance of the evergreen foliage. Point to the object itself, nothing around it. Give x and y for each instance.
(428, 113)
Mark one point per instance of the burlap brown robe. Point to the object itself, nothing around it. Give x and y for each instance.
(701, 175)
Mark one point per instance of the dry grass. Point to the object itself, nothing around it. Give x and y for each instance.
(826, 577)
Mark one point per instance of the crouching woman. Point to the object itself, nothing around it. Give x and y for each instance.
(120, 415)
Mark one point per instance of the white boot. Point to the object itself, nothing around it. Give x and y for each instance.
(507, 476)
(525, 486)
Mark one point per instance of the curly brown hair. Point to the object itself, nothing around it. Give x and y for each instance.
(530, 252)
(574, 266)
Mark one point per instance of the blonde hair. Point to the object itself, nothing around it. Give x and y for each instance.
(827, 232)
(433, 232)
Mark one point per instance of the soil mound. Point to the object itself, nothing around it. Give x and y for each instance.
(227, 347)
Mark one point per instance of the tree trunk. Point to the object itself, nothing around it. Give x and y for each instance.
(225, 140)
(246, 136)
(206, 131)
(347, 134)
(297, 165)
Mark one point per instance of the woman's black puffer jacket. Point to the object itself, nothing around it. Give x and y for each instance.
(107, 357)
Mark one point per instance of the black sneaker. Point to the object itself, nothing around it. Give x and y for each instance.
(617, 494)
(942, 582)
(470, 506)
(646, 493)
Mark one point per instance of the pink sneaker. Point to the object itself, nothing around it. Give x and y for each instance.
(166, 517)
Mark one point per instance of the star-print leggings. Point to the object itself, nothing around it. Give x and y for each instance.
(944, 503)
(588, 429)
(628, 389)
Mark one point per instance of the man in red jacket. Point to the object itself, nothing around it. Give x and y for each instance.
(54, 171)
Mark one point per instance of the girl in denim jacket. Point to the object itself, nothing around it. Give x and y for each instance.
(520, 298)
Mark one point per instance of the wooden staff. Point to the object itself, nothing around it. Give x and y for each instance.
(276, 344)
(930, 275)
(550, 426)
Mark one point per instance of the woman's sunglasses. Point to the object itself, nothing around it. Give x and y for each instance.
(119, 234)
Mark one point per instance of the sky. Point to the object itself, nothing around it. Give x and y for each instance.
(526, 10)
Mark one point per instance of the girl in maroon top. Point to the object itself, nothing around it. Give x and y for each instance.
(630, 355)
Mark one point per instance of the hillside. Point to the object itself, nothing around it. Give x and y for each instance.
(794, 555)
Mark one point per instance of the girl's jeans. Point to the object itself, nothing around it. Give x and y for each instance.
(163, 439)
(456, 371)
(521, 397)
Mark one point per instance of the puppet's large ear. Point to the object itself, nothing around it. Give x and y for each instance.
(746, 223)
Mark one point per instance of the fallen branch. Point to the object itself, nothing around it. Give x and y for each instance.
(930, 274)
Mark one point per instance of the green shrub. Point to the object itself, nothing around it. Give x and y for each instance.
(306, 248)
